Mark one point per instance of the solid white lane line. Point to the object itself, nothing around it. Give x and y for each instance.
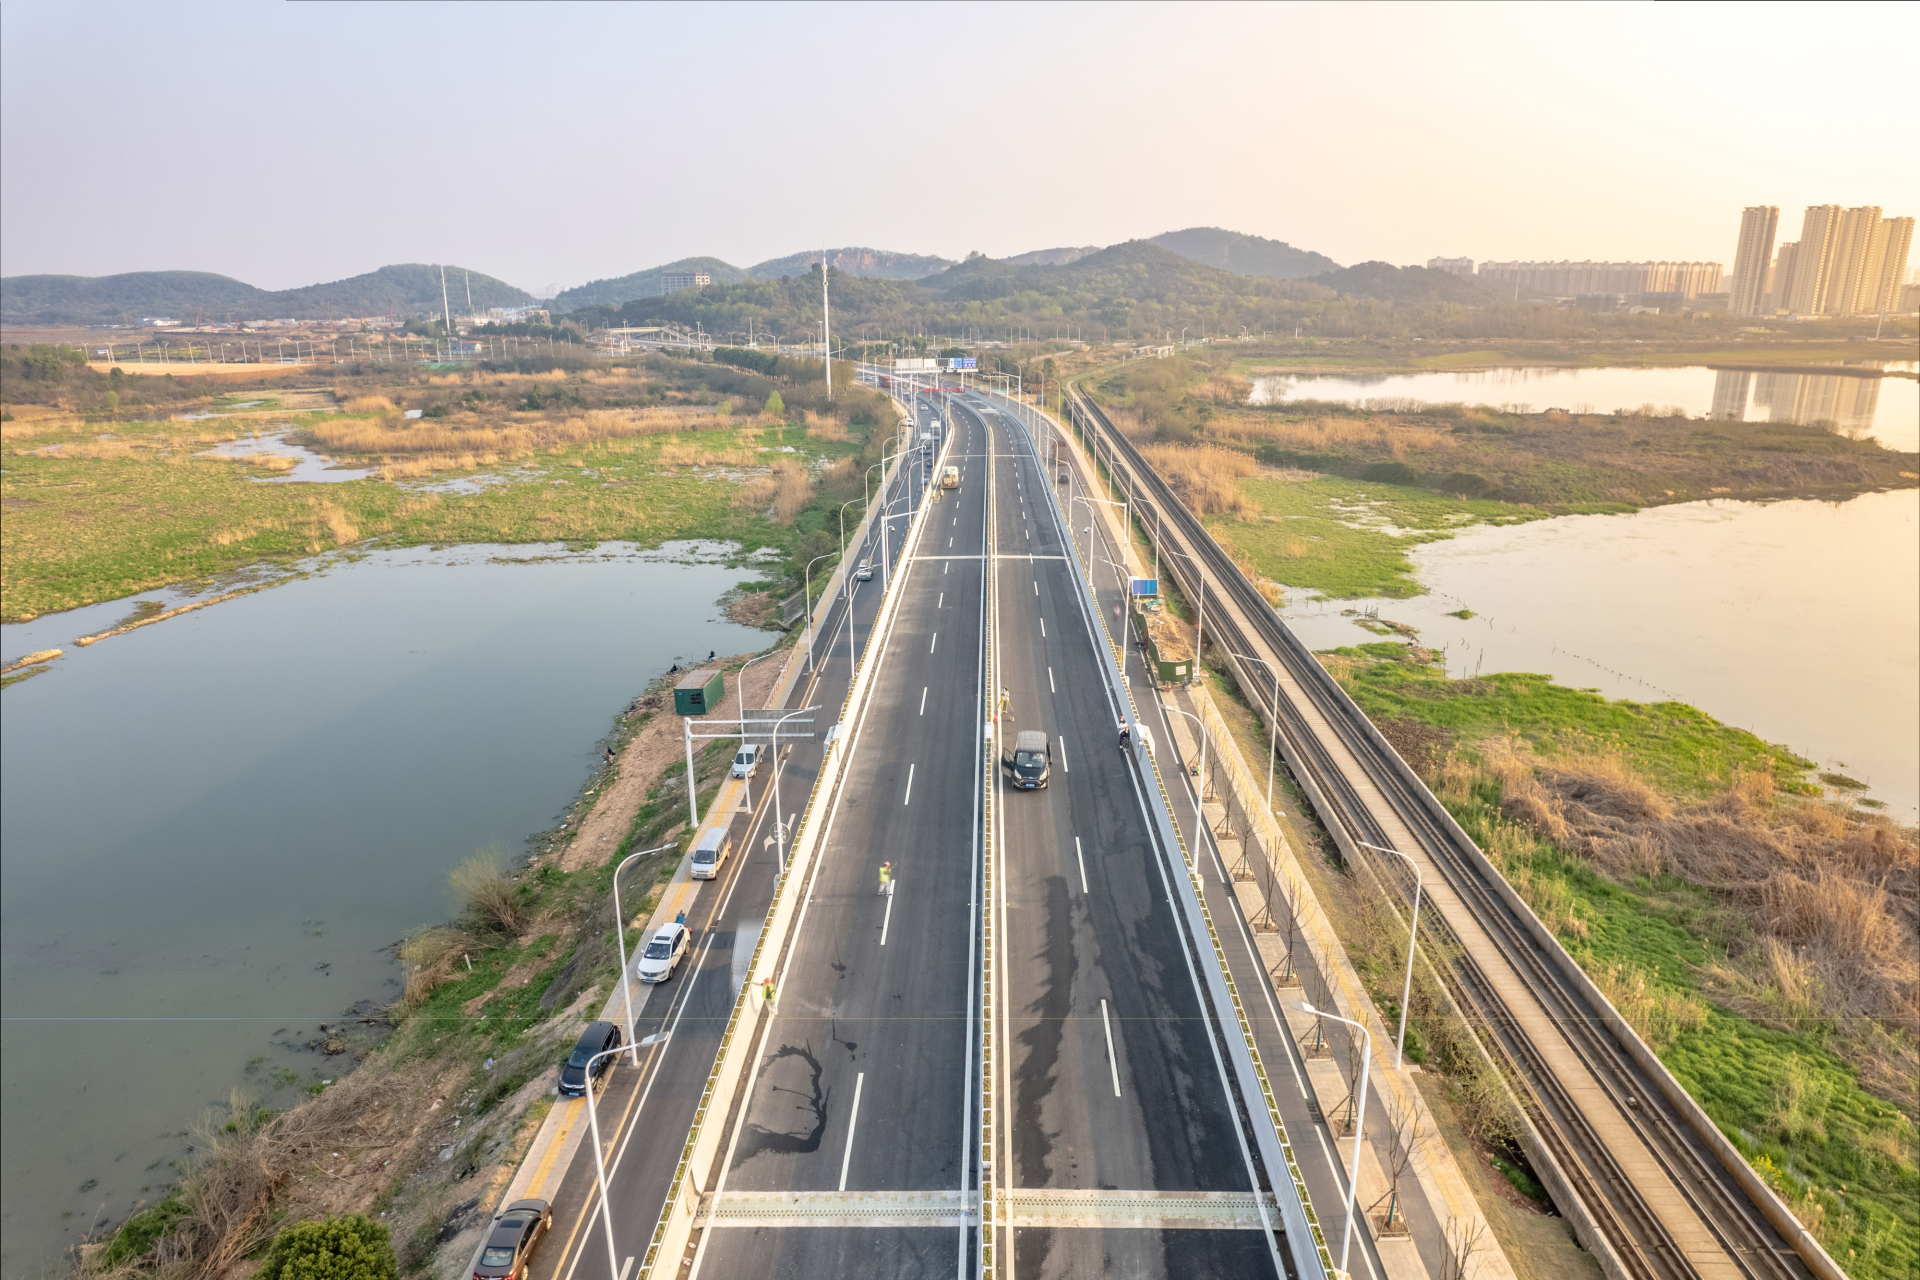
(923, 698)
(1050, 688)
(1080, 858)
(626, 1267)
(1113, 1065)
(933, 642)
(859, 1081)
(909, 799)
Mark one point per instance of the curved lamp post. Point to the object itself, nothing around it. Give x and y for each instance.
(1413, 930)
(620, 935)
(1359, 1120)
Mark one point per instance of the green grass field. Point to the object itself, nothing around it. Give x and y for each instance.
(1350, 538)
(87, 529)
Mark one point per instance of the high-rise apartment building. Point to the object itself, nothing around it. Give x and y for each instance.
(1452, 266)
(1804, 293)
(1847, 262)
(1859, 245)
(1752, 258)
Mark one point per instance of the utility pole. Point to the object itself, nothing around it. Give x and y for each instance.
(446, 307)
(826, 325)
(469, 292)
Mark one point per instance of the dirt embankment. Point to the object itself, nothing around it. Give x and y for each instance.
(657, 744)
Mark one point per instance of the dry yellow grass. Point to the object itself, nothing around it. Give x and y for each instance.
(368, 404)
(692, 453)
(1318, 435)
(1204, 476)
(514, 436)
(781, 494)
(823, 427)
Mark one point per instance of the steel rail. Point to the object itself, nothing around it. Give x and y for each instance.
(1641, 1245)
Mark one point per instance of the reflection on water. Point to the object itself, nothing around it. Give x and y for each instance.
(1886, 408)
(1797, 620)
(212, 828)
(1849, 404)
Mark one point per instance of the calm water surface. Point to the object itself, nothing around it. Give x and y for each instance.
(211, 829)
(1885, 408)
(1797, 620)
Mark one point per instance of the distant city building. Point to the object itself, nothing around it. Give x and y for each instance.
(515, 315)
(675, 281)
(1452, 266)
(1753, 260)
(1573, 279)
(158, 322)
(1847, 262)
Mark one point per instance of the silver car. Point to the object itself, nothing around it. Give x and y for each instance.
(662, 953)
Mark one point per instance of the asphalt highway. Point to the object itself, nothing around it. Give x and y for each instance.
(1114, 1082)
(645, 1112)
(863, 1082)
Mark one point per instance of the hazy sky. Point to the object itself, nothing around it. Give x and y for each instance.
(552, 144)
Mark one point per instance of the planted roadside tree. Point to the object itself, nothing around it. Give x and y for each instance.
(349, 1247)
(775, 405)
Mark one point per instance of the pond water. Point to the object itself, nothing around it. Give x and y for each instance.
(308, 465)
(213, 827)
(1799, 621)
(1886, 408)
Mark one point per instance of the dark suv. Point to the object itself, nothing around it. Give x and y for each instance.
(597, 1038)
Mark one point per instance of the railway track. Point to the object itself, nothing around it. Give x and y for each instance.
(1654, 1190)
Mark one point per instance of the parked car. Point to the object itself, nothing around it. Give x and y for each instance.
(1031, 760)
(864, 571)
(597, 1038)
(662, 954)
(747, 761)
(517, 1231)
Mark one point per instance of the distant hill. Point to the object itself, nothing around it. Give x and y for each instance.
(1051, 257)
(1245, 255)
(1403, 284)
(866, 264)
(642, 284)
(403, 289)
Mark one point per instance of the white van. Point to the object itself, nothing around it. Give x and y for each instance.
(710, 853)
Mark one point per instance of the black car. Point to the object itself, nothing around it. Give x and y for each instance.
(517, 1229)
(597, 1038)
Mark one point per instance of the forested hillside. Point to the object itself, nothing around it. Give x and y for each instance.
(403, 289)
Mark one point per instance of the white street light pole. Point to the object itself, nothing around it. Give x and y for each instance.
(1359, 1120)
(1413, 930)
(808, 571)
(599, 1163)
(741, 675)
(620, 933)
(779, 822)
(1199, 797)
(693, 804)
(1273, 721)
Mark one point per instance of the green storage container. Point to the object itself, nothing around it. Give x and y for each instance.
(699, 692)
